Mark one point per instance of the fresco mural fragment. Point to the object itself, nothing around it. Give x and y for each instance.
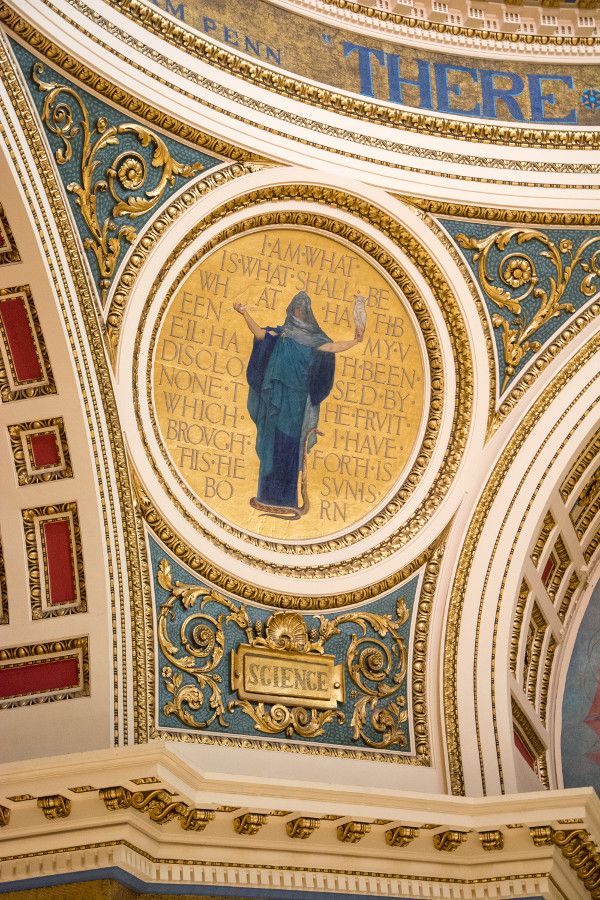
(288, 382)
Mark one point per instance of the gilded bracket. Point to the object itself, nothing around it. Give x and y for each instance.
(449, 840)
(583, 856)
(401, 836)
(302, 827)
(492, 840)
(55, 806)
(352, 832)
(541, 835)
(249, 823)
(159, 806)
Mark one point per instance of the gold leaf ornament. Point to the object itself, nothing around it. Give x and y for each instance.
(66, 116)
(517, 272)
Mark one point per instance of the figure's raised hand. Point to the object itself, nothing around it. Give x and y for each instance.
(239, 307)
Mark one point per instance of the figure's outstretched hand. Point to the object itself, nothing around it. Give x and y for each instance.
(239, 307)
(359, 334)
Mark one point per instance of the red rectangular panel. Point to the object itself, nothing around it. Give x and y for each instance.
(548, 569)
(21, 344)
(62, 587)
(44, 449)
(524, 751)
(37, 677)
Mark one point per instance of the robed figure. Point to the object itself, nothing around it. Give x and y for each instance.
(290, 372)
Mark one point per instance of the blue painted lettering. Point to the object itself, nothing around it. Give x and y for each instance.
(230, 36)
(209, 25)
(490, 94)
(539, 100)
(177, 12)
(364, 64)
(275, 55)
(444, 90)
(252, 47)
(422, 81)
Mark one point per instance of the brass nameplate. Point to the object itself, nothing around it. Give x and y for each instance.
(294, 679)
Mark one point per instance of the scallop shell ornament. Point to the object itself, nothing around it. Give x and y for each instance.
(286, 631)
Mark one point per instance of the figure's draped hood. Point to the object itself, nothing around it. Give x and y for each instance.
(307, 331)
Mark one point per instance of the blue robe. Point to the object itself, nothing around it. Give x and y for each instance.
(287, 382)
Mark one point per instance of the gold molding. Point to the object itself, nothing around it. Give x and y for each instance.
(517, 627)
(21, 390)
(458, 592)
(532, 741)
(357, 107)
(453, 209)
(23, 655)
(583, 461)
(546, 676)
(542, 538)
(39, 596)
(245, 590)
(447, 302)
(121, 98)
(22, 454)
(459, 30)
(395, 876)
(70, 65)
(9, 254)
(3, 591)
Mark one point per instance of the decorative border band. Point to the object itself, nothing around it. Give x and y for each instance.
(40, 451)
(41, 673)
(55, 558)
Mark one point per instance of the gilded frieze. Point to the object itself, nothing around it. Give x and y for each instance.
(116, 171)
(229, 671)
(532, 280)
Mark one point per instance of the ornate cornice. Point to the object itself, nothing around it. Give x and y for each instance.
(295, 88)
(526, 40)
